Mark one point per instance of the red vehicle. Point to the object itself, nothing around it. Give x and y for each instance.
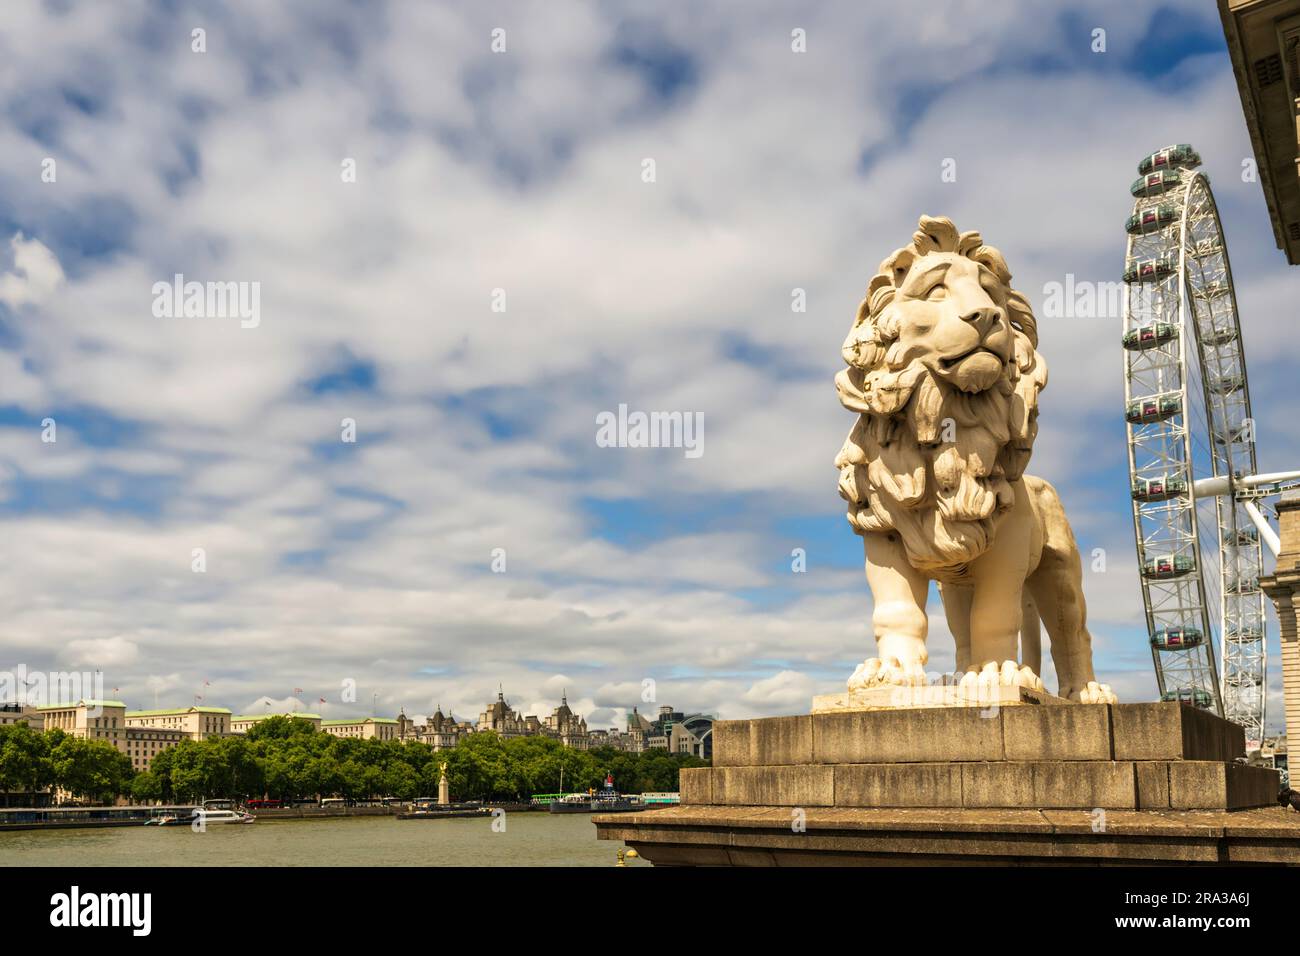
(264, 804)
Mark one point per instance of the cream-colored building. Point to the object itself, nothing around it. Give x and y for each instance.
(1283, 586)
(619, 740)
(365, 728)
(106, 721)
(563, 724)
(243, 723)
(145, 743)
(568, 727)
(198, 723)
(22, 714)
(504, 721)
(89, 719)
(439, 731)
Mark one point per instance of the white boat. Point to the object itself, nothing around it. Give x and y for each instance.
(224, 816)
(571, 803)
(207, 816)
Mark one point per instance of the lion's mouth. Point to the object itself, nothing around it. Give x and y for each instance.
(951, 363)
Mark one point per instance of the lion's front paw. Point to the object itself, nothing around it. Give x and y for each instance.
(889, 671)
(1093, 693)
(1008, 674)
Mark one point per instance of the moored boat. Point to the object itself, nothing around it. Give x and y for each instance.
(605, 800)
(430, 809)
(572, 803)
(205, 817)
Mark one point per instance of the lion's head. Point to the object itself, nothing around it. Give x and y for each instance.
(945, 375)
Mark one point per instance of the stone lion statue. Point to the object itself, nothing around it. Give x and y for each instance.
(944, 373)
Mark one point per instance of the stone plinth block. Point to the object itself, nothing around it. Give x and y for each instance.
(1220, 785)
(906, 736)
(1173, 731)
(1049, 784)
(1164, 731)
(696, 785)
(987, 785)
(803, 786)
(771, 741)
(936, 695)
(1152, 784)
(898, 785)
(1158, 731)
(1079, 732)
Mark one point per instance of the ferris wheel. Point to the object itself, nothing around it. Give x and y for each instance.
(1192, 443)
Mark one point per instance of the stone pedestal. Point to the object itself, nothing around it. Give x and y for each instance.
(930, 696)
(1138, 782)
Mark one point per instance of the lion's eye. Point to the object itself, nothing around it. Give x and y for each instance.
(937, 292)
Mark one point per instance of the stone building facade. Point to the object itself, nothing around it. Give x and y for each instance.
(243, 723)
(197, 723)
(1283, 586)
(362, 728)
(439, 731)
(107, 721)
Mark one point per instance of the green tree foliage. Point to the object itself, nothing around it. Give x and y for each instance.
(25, 763)
(146, 788)
(485, 767)
(280, 727)
(219, 766)
(288, 759)
(94, 770)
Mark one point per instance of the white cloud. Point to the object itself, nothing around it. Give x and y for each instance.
(36, 273)
(371, 562)
(102, 653)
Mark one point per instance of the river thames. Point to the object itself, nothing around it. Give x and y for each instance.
(529, 839)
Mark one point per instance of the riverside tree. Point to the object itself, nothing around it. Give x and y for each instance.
(286, 758)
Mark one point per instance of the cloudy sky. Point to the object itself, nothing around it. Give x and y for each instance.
(517, 178)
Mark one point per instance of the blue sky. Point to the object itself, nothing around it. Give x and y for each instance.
(521, 171)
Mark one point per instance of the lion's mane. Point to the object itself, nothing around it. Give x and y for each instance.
(897, 471)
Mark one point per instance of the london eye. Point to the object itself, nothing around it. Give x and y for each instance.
(1197, 496)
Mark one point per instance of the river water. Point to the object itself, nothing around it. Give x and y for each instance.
(529, 839)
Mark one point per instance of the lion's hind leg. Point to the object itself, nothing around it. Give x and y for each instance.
(1031, 634)
(956, 609)
(1056, 586)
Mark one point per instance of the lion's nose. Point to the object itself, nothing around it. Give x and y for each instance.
(983, 319)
